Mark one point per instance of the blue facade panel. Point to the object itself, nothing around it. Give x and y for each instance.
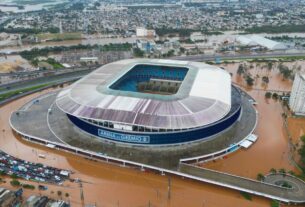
(149, 138)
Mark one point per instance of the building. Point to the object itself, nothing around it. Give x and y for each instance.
(152, 102)
(146, 45)
(35, 201)
(256, 40)
(297, 97)
(142, 32)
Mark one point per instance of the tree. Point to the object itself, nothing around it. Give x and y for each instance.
(269, 65)
(268, 95)
(15, 182)
(249, 80)
(272, 171)
(274, 203)
(282, 171)
(260, 177)
(67, 195)
(14, 176)
(182, 50)
(284, 70)
(275, 96)
(286, 185)
(241, 69)
(265, 79)
(138, 53)
(59, 193)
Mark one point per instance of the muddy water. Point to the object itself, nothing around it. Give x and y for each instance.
(276, 81)
(271, 150)
(296, 126)
(109, 185)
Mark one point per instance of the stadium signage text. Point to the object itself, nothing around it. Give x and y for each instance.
(123, 137)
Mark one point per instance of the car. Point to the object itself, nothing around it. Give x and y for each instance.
(57, 178)
(42, 187)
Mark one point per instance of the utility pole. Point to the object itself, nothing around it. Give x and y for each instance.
(81, 193)
(169, 188)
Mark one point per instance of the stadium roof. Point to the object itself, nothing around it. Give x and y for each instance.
(204, 97)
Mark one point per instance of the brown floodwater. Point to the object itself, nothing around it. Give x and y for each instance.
(296, 127)
(109, 185)
(271, 150)
(276, 81)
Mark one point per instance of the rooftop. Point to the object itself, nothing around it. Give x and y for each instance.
(204, 97)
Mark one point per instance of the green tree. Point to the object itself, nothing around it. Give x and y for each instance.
(137, 52)
(14, 176)
(275, 96)
(282, 171)
(272, 171)
(15, 182)
(274, 203)
(265, 79)
(268, 95)
(241, 69)
(260, 177)
(249, 80)
(269, 65)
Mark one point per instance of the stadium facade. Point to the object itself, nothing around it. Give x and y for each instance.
(153, 102)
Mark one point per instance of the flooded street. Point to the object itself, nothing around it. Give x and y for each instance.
(109, 185)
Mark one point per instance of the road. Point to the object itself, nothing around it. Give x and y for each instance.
(238, 56)
(250, 186)
(52, 79)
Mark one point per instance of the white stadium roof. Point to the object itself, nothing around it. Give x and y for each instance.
(204, 97)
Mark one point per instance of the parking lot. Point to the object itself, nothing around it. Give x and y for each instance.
(31, 171)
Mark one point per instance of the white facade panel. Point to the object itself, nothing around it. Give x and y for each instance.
(297, 97)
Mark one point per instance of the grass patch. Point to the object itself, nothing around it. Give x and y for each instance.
(24, 90)
(15, 183)
(247, 196)
(274, 203)
(27, 186)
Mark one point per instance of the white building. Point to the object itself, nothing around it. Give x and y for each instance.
(142, 32)
(256, 40)
(297, 98)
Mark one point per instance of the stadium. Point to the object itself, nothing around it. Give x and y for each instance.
(153, 102)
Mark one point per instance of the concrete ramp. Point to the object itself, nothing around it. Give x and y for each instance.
(248, 185)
